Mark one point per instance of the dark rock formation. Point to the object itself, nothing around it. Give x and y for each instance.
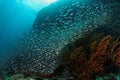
(59, 24)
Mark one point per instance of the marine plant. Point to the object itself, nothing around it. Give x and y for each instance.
(95, 59)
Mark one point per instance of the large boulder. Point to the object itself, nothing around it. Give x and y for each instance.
(57, 25)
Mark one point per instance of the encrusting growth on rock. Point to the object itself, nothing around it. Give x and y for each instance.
(116, 58)
(95, 63)
(102, 55)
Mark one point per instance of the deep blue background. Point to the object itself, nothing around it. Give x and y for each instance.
(15, 19)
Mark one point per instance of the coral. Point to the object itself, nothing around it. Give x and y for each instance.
(104, 55)
(114, 45)
(93, 46)
(95, 63)
(78, 56)
(39, 48)
(116, 58)
(103, 45)
(90, 58)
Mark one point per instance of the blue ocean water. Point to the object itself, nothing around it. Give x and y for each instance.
(16, 17)
(33, 33)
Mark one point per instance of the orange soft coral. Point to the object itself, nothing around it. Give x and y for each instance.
(103, 45)
(116, 58)
(100, 51)
(95, 63)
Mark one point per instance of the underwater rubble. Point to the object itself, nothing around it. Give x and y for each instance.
(69, 41)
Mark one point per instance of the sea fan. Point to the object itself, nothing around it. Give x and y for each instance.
(104, 54)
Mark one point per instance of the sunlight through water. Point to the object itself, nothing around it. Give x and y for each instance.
(35, 4)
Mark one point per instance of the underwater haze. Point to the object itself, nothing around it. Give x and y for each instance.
(60, 39)
(16, 17)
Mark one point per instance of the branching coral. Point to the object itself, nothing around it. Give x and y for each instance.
(95, 63)
(87, 61)
(114, 52)
(103, 45)
(75, 60)
(93, 46)
(88, 66)
(116, 58)
(114, 45)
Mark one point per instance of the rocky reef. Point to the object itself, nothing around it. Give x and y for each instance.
(86, 58)
(98, 57)
(69, 36)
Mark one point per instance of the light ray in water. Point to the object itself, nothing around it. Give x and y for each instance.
(35, 4)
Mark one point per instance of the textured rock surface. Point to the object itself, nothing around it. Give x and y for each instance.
(58, 25)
